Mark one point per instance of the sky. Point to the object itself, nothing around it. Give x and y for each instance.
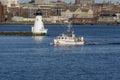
(114, 1)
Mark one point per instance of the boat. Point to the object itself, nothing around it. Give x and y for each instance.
(38, 27)
(69, 38)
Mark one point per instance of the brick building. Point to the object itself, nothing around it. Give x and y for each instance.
(4, 15)
(2, 12)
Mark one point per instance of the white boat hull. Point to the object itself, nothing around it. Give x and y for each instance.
(64, 42)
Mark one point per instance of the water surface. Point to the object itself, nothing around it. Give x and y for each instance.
(34, 58)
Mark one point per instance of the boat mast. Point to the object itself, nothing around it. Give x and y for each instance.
(69, 26)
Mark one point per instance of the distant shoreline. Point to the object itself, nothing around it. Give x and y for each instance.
(46, 23)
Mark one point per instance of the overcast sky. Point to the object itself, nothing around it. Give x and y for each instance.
(74, 0)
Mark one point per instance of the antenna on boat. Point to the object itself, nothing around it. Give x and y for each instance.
(69, 26)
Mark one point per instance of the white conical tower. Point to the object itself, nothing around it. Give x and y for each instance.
(38, 27)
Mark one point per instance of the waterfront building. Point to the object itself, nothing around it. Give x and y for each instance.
(17, 18)
(80, 16)
(67, 14)
(10, 3)
(107, 18)
(78, 13)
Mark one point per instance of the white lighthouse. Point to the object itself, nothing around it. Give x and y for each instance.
(38, 27)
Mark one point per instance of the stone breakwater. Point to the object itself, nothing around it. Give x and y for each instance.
(22, 34)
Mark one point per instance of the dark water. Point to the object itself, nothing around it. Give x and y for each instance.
(34, 58)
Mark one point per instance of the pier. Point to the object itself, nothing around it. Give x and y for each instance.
(21, 34)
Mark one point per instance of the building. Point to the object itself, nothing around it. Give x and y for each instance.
(4, 15)
(84, 2)
(42, 2)
(67, 14)
(80, 16)
(118, 17)
(78, 13)
(1, 12)
(4, 2)
(107, 18)
(10, 3)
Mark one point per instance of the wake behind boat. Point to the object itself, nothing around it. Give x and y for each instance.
(69, 38)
